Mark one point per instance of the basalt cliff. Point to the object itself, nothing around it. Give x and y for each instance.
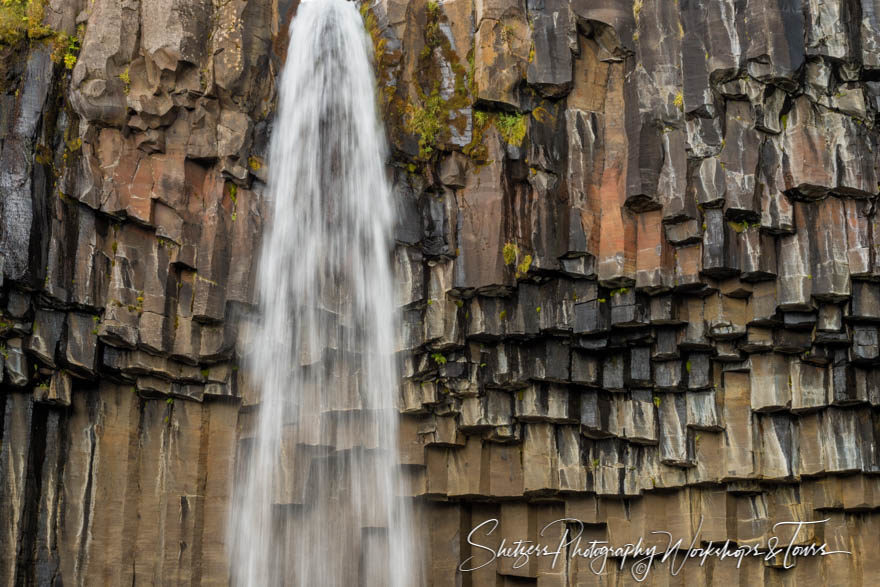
(637, 258)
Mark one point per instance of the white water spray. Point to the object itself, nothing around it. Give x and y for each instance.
(316, 500)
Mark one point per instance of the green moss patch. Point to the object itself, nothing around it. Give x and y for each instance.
(20, 19)
(512, 128)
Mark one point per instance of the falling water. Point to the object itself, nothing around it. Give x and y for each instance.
(316, 498)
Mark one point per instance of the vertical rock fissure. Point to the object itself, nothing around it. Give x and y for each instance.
(33, 490)
(2, 419)
(200, 498)
(87, 503)
(132, 518)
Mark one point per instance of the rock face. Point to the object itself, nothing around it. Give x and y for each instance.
(131, 213)
(638, 267)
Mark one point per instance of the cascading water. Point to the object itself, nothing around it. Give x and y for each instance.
(316, 500)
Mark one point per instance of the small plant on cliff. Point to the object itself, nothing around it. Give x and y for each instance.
(170, 403)
(232, 190)
(427, 114)
(20, 19)
(523, 268)
(11, 25)
(425, 121)
(510, 252)
(511, 255)
(372, 26)
(476, 149)
(740, 227)
(678, 102)
(432, 26)
(384, 83)
(438, 358)
(65, 49)
(126, 79)
(70, 54)
(74, 145)
(512, 128)
(637, 8)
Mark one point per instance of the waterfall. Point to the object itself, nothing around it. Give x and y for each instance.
(316, 499)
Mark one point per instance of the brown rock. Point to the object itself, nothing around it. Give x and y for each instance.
(501, 55)
(480, 264)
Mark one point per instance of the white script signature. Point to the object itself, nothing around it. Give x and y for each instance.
(640, 554)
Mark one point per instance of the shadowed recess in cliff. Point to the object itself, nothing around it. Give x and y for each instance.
(317, 494)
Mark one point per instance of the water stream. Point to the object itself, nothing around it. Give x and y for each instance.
(316, 495)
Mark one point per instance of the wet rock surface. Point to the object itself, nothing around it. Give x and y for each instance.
(637, 260)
